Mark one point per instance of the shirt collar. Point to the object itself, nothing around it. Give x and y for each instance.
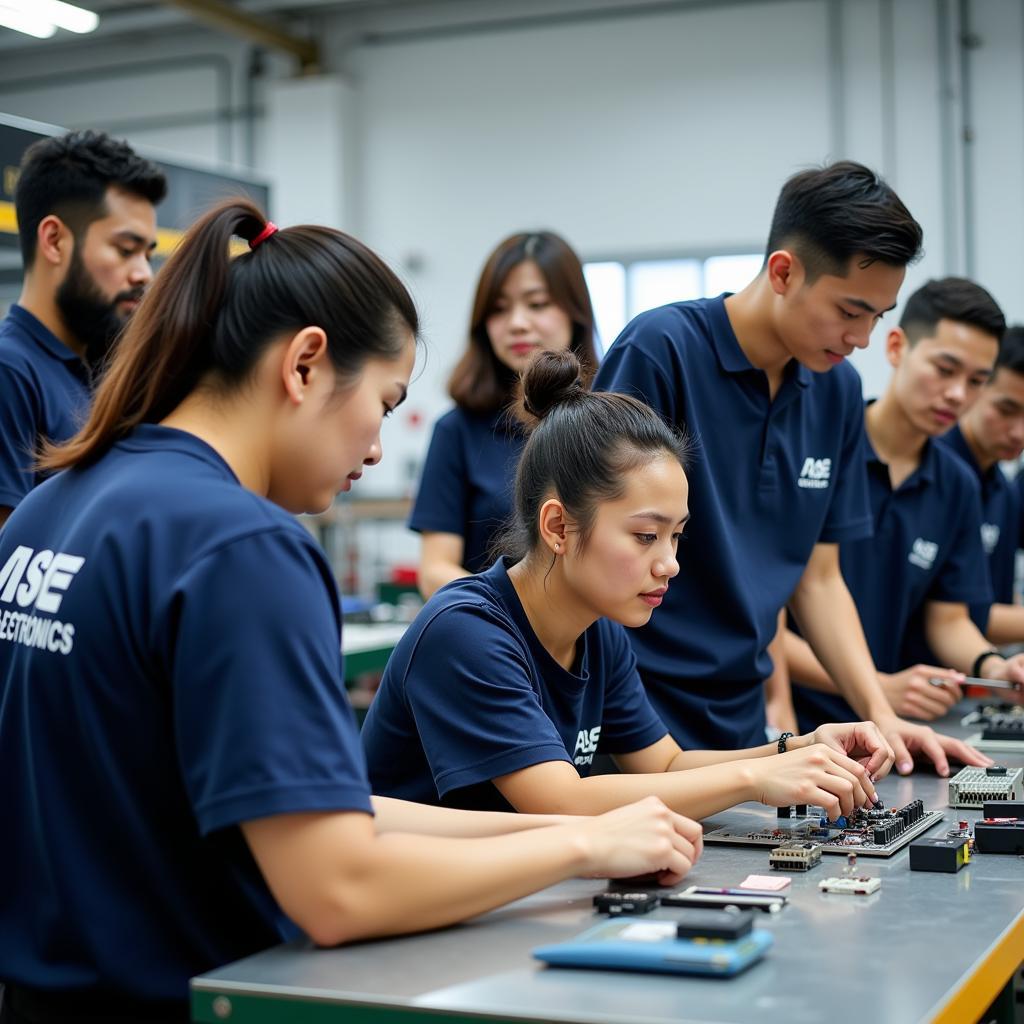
(43, 336)
(730, 354)
(498, 577)
(956, 440)
(925, 472)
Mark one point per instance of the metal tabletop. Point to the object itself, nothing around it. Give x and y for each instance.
(927, 947)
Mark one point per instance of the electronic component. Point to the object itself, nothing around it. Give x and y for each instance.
(948, 855)
(999, 835)
(741, 899)
(876, 832)
(1001, 724)
(973, 787)
(714, 924)
(1003, 809)
(862, 886)
(793, 811)
(625, 902)
(795, 856)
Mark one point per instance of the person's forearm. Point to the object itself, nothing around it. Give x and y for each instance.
(804, 667)
(829, 621)
(412, 884)
(434, 575)
(393, 815)
(954, 638)
(695, 792)
(1005, 624)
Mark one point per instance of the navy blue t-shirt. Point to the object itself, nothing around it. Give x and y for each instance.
(470, 694)
(44, 394)
(466, 486)
(770, 480)
(170, 667)
(926, 547)
(1001, 526)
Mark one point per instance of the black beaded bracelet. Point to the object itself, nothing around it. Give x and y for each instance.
(981, 659)
(782, 741)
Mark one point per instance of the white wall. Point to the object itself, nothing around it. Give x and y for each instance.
(631, 133)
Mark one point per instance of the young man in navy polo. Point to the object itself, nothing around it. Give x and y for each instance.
(87, 226)
(991, 432)
(914, 580)
(760, 379)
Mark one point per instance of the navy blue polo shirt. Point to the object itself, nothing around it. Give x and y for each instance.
(170, 667)
(470, 694)
(466, 485)
(926, 547)
(770, 480)
(44, 394)
(1001, 527)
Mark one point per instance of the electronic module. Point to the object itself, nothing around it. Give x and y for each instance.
(872, 833)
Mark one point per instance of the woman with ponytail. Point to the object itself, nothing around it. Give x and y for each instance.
(508, 683)
(180, 774)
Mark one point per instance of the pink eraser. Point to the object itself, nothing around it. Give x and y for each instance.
(769, 883)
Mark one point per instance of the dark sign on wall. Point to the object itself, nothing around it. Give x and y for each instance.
(189, 190)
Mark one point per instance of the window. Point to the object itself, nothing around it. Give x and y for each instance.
(620, 290)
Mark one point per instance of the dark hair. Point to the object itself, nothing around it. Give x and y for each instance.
(831, 214)
(210, 314)
(951, 298)
(68, 176)
(581, 447)
(480, 382)
(1011, 350)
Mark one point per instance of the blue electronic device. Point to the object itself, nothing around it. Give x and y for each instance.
(635, 944)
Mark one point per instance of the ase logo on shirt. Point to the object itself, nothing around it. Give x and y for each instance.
(989, 537)
(923, 553)
(586, 745)
(815, 473)
(37, 580)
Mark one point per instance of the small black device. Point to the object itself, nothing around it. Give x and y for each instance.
(999, 835)
(625, 902)
(742, 899)
(727, 925)
(948, 855)
(1003, 809)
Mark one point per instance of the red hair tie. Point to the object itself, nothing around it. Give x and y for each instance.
(264, 234)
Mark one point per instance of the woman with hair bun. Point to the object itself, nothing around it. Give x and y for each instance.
(508, 683)
(531, 297)
(180, 772)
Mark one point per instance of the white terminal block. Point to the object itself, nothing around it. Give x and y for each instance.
(973, 787)
(851, 886)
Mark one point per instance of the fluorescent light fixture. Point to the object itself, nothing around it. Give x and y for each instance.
(22, 21)
(41, 18)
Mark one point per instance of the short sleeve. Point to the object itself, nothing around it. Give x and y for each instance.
(629, 369)
(471, 690)
(442, 498)
(262, 723)
(964, 575)
(19, 430)
(849, 512)
(628, 721)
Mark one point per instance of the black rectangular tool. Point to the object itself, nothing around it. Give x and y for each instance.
(999, 836)
(625, 902)
(948, 855)
(714, 924)
(1003, 809)
(705, 897)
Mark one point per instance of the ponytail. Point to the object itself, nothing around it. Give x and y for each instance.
(208, 312)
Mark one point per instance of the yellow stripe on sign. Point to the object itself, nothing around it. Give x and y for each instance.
(8, 220)
(973, 998)
(167, 239)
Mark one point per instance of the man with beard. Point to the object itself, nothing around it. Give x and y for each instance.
(87, 226)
